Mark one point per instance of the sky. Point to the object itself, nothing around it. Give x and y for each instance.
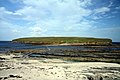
(56, 18)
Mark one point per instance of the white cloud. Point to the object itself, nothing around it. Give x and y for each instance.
(100, 13)
(115, 12)
(118, 7)
(55, 14)
(15, 31)
(50, 16)
(41, 9)
(96, 17)
(111, 4)
(85, 3)
(8, 15)
(36, 29)
(102, 10)
(8, 30)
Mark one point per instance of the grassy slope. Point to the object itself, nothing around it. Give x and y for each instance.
(61, 40)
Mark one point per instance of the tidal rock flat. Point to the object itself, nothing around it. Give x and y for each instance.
(14, 67)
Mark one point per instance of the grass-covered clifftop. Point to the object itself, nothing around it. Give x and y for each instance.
(64, 41)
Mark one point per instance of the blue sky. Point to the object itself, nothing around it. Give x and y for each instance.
(81, 18)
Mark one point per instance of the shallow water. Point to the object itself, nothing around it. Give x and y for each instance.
(6, 46)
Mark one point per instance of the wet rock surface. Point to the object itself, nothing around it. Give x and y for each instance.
(76, 53)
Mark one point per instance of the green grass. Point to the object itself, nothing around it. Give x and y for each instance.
(61, 40)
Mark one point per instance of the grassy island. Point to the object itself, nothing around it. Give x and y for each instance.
(64, 41)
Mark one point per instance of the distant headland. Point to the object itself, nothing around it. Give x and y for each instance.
(64, 41)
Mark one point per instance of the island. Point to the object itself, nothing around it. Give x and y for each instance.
(64, 41)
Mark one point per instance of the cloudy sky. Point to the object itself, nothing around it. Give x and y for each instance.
(82, 18)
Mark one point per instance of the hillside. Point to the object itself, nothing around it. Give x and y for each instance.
(64, 41)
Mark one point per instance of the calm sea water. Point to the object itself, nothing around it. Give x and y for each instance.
(7, 46)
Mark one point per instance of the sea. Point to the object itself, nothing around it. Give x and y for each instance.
(6, 46)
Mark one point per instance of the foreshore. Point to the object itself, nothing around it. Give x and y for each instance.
(14, 67)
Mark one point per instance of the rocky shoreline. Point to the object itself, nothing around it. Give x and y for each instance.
(54, 69)
(95, 53)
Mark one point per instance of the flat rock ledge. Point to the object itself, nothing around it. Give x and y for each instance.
(55, 69)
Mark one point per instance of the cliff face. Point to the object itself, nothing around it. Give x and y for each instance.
(64, 41)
